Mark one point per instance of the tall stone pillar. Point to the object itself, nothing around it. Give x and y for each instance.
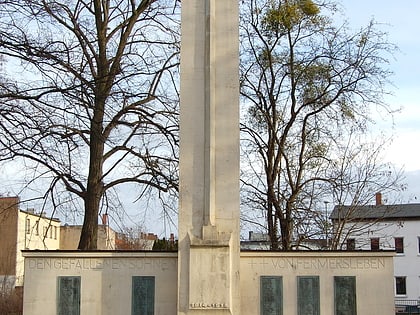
(208, 260)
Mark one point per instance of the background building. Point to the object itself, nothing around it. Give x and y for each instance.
(385, 227)
(70, 236)
(32, 230)
(23, 230)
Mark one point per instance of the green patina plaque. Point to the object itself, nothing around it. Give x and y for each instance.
(143, 295)
(271, 295)
(345, 295)
(308, 295)
(68, 296)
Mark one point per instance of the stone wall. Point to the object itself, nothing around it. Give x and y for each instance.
(105, 280)
(313, 280)
(372, 272)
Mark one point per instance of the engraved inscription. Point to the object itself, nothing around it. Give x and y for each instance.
(317, 263)
(143, 295)
(308, 295)
(271, 299)
(100, 264)
(213, 290)
(68, 295)
(208, 305)
(345, 295)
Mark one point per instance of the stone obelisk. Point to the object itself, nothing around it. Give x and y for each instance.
(208, 260)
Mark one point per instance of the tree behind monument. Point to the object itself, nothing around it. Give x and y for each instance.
(89, 99)
(309, 89)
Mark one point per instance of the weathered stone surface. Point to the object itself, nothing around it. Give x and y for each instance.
(209, 159)
(107, 279)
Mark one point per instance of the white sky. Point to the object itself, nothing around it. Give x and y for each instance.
(401, 21)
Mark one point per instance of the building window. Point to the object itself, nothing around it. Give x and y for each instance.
(68, 299)
(45, 234)
(400, 287)
(418, 285)
(345, 296)
(55, 232)
(418, 244)
(374, 243)
(143, 295)
(271, 295)
(308, 295)
(37, 228)
(399, 245)
(351, 244)
(28, 226)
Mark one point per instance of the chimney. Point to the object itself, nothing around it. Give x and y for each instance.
(378, 197)
(104, 219)
(151, 236)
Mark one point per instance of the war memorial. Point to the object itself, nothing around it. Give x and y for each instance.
(209, 275)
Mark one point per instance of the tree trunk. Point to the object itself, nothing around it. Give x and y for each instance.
(94, 189)
(89, 235)
(272, 228)
(285, 234)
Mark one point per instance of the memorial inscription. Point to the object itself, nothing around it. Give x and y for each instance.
(208, 305)
(271, 295)
(143, 295)
(68, 295)
(345, 295)
(101, 264)
(213, 291)
(317, 263)
(308, 295)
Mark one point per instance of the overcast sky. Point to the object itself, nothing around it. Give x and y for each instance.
(401, 21)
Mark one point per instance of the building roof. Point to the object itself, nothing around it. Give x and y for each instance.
(39, 215)
(375, 212)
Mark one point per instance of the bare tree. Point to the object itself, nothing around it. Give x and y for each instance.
(358, 178)
(306, 87)
(89, 97)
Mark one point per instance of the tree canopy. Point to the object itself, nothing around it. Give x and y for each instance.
(89, 102)
(88, 97)
(309, 89)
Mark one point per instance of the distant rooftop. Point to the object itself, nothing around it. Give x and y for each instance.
(39, 214)
(374, 212)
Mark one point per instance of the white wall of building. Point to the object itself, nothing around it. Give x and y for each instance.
(406, 264)
(35, 232)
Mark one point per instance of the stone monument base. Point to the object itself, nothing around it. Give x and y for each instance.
(109, 283)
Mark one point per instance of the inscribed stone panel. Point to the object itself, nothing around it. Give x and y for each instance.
(308, 295)
(345, 295)
(143, 295)
(68, 296)
(210, 290)
(271, 295)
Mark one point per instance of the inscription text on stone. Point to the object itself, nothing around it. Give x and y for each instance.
(317, 263)
(100, 263)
